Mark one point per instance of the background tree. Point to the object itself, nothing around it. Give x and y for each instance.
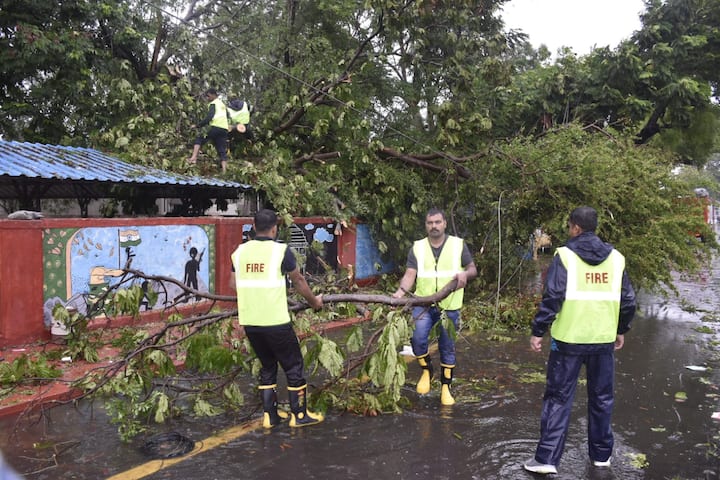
(662, 84)
(646, 210)
(376, 110)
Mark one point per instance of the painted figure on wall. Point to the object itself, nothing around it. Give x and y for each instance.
(98, 286)
(192, 267)
(127, 239)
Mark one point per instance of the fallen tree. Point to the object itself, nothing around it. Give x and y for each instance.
(202, 364)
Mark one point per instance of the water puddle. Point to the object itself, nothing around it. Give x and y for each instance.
(487, 435)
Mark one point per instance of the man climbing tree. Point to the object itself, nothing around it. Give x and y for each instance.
(239, 130)
(218, 133)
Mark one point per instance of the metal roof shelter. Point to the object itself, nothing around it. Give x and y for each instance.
(30, 172)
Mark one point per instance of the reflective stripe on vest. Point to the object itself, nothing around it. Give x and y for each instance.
(432, 276)
(261, 290)
(220, 119)
(591, 310)
(240, 116)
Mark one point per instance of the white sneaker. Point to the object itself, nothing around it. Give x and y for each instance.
(598, 463)
(407, 351)
(534, 466)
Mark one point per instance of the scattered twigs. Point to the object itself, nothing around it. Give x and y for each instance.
(168, 337)
(58, 449)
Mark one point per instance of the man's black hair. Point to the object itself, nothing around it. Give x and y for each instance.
(264, 220)
(435, 211)
(584, 217)
(211, 91)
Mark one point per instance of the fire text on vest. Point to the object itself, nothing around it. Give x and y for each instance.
(596, 277)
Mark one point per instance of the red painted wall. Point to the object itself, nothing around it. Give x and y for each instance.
(21, 264)
(21, 281)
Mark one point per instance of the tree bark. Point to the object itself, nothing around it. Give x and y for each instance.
(410, 301)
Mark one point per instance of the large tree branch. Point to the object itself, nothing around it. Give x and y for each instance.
(315, 156)
(320, 89)
(329, 298)
(160, 38)
(411, 301)
(164, 339)
(422, 161)
(652, 126)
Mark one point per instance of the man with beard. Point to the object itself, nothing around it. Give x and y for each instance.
(434, 261)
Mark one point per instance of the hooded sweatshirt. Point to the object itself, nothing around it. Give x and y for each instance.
(593, 251)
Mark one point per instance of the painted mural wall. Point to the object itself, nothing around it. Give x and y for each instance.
(72, 261)
(315, 243)
(368, 259)
(80, 264)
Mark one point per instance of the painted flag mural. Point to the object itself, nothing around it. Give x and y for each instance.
(129, 238)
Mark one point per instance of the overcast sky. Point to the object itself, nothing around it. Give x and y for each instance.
(579, 24)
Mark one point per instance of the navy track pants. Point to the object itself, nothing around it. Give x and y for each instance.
(562, 376)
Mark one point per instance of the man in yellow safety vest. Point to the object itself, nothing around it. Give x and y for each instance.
(217, 118)
(434, 261)
(260, 266)
(239, 130)
(239, 112)
(587, 304)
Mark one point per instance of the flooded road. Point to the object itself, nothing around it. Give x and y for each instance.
(491, 430)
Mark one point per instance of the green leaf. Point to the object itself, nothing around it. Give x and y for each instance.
(162, 410)
(330, 357)
(202, 408)
(354, 340)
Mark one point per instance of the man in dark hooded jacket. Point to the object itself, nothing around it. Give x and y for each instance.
(589, 302)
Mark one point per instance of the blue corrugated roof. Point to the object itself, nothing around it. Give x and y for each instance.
(56, 162)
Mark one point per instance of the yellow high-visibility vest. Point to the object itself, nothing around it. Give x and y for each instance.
(261, 290)
(220, 119)
(591, 311)
(432, 276)
(240, 116)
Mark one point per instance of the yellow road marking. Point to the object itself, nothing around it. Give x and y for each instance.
(142, 471)
(154, 466)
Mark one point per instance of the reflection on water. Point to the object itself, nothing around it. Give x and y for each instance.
(487, 435)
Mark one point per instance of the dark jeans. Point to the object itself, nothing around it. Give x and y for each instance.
(425, 319)
(219, 137)
(277, 344)
(562, 377)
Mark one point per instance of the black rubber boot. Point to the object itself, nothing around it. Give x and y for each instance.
(300, 416)
(271, 415)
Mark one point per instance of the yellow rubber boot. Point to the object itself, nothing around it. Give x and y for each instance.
(423, 385)
(446, 397)
(271, 415)
(300, 416)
